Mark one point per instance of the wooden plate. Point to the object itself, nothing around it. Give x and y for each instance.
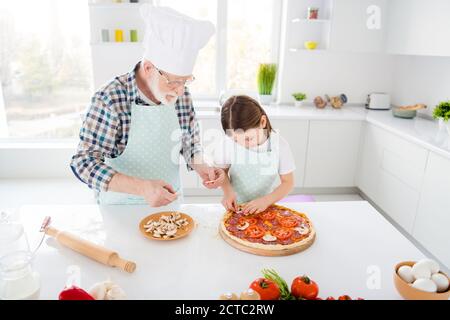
(182, 232)
(266, 253)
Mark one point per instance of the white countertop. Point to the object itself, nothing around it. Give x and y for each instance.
(422, 131)
(355, 246)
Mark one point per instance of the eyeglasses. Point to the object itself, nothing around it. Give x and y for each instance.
(175, 83)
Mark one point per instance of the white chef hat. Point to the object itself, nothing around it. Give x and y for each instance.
(172, 40)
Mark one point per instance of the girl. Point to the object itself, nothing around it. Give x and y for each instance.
(258, 162)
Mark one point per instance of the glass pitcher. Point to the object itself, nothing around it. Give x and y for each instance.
(18, 281)
(12, 235)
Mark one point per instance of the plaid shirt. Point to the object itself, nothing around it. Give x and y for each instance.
(104, 133)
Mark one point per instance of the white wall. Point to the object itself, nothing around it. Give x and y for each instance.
(333, 73)
(330, 71)
(419, 32)
(420, 79)
(419, 27)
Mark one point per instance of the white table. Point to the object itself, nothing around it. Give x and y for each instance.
(354, 245)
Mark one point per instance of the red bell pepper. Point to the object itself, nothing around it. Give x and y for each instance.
(75, 293)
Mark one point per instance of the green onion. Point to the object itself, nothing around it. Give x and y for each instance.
(285, 293)
(266, 78)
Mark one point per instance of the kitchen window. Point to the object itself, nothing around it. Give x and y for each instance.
(247, 34)
(46, 69)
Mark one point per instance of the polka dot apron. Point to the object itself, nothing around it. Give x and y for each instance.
(152, 152)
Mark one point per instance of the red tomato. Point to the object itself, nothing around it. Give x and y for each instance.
(269, 215)
(282, 233)
(255, 232)
(303, 287)
(331, 298)
(288, 222)
(267, 289)
(344, 297)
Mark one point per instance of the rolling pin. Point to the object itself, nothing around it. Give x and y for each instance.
(91, 250)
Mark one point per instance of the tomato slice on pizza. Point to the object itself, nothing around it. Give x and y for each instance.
(268, 215)
(254, 232)
(282, 233)
(288, 222)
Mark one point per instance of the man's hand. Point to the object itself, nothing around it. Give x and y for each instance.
(212, 178)
(157, 193)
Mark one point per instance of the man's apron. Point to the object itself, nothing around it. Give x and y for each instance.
(152, 152)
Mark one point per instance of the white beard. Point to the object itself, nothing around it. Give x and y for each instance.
(160, 96)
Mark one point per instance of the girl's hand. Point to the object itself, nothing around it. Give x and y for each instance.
(229, 201)
(256, 206)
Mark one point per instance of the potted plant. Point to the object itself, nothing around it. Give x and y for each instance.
(267, 73)
(299, 98)
(442, 112)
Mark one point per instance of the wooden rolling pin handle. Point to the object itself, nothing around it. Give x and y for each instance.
(91, 250)
(118, 262)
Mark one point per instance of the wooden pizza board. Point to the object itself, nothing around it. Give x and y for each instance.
(266, 253)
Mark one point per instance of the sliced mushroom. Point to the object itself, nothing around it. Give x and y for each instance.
(269, 238)
(302, 230)
(243, 226)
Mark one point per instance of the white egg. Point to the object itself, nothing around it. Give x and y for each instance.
(421, 270)
(425, 285)
(405, 272)
(441, 282)
(432, 265)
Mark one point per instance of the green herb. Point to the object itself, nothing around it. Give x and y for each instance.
(266, 78)
(442, 111)
(285, 293)
(299, 96)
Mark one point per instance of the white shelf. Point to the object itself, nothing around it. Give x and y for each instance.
(301, 29)
(318, 21)
(302, 50)
(116, 44)
(123, 5)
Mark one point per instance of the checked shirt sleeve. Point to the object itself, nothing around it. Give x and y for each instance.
(97, 141)
(191, 141)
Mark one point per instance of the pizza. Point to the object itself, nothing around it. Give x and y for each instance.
(276, 228)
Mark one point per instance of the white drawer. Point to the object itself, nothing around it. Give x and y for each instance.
(401, 159)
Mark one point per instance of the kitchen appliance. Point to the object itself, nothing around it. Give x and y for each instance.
(378, 101)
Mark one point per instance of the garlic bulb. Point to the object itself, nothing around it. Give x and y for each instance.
(107, 290)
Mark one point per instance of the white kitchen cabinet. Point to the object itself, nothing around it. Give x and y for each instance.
(332, 155)
(417, 27)
(295, 132)
(432, 224)
(390, 173)
(369, 164)
(359, 25)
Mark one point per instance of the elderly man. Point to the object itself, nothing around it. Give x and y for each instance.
(138, 125)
